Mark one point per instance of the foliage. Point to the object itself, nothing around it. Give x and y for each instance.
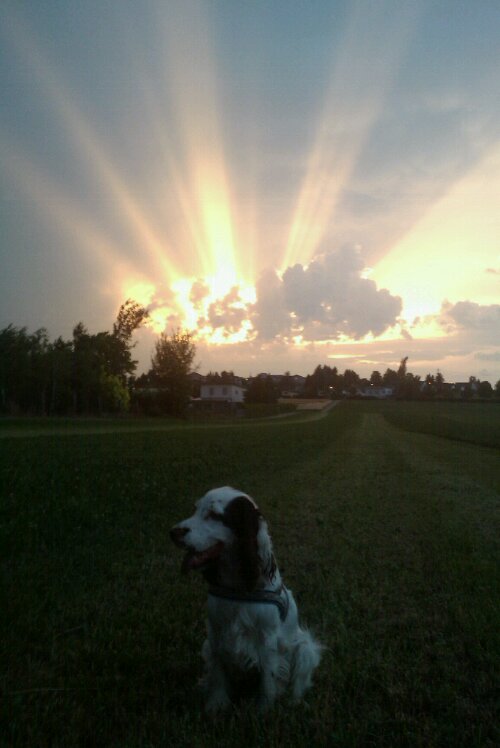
(225, 377)
(115, 395)
(131, 316)
(73, 377)
(387, 538)
(261, 390)
(323, 382)
(37, 376)
(485, 390)
(169, 374)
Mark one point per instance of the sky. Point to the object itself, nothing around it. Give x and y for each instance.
(297, 182)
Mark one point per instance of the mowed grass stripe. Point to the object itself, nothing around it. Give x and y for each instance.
(376, 540)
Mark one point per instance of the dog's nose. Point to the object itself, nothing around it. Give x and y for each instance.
(177, 534)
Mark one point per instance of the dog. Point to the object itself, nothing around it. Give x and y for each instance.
(255, 646)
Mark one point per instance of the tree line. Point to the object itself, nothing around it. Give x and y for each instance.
(95, 374)
(404, 385)
(84, 375)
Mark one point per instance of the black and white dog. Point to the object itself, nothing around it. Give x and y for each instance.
(254, 635)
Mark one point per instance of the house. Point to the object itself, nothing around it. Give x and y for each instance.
(225, 393)
(466, 390)
(219, 398)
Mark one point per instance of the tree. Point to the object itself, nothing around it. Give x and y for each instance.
(261, 390)
(61, 360)
(429, 389)
(390, 378)
(485, 390)
(103, 355)
(24, 370)
(170, 367)
(351, 381)
(324, 381)
(439, 381)
(410, 387)
(376, 379)
(225, 377)
(130, 317)
(115, 397)
(402, 368)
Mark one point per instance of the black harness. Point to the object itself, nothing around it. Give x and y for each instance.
(272, 597)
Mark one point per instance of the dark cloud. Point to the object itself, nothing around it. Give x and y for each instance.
(199, 291)
(469, 315)
(324, 300)
(227, 312)
(495, 356)
(270, 317)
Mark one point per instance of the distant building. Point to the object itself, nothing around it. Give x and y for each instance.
(220, 399)
(225, 393)
(464, 390)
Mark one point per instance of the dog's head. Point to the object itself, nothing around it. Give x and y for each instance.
(226, 538)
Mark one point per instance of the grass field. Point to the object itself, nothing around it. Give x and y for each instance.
(385, 525)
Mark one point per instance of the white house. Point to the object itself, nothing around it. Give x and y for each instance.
(228, 393)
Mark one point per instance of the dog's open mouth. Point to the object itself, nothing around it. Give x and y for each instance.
(197, 559)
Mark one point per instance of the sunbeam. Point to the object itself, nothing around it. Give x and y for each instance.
(377, 33)
(234, 167)
(91, 152)
(449, 240)
(202, 191)
(57, 206)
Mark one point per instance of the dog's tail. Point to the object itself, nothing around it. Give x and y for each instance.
(306, 660)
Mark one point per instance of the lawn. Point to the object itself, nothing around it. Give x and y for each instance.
(387, 534)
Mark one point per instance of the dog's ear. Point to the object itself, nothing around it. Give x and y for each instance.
(242, 517)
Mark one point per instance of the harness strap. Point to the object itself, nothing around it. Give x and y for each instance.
(258, 596)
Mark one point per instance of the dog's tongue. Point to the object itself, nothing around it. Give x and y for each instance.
(193, 560)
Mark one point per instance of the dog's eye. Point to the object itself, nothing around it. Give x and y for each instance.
(213, 515)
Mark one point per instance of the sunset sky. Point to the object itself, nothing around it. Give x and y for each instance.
(298, 182)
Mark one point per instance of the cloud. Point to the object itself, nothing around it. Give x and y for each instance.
(228, 312)
(325, 300)
(468, 315)
(270, 317)
(495, 356)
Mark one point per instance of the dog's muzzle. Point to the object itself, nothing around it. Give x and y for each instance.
(194, 559)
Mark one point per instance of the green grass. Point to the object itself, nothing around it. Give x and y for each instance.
(388, 538)
(477, 423)
(63, 425)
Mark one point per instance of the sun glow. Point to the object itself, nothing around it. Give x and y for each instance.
(182, 227)
(447, 253)
(215, 309)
